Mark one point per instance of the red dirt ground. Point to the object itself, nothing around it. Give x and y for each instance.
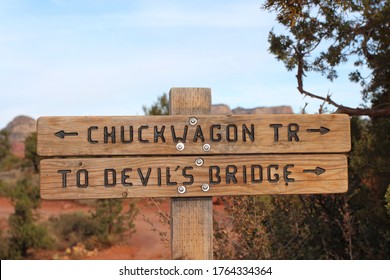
(144, 244)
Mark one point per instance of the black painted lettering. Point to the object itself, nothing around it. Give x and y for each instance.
(177, 139)
(215, 174)
(231, 133)
(276, 127)
(244, 174)
(159, 134)
(292, 132)
(286, 172)
(275, 177)
(259, 169)
(140, 139)
(188, 176)
(124, 177)
(159, 176)
(82, 173)
(231, 171)
(110, 134)
(215, 137)
(250, 133)
(198, 134)
(90, 140)
(169, 182)
(144, 179)
(109, 182)
(64, 172)
(131, 135)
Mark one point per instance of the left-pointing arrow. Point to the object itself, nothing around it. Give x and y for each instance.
(61, 134)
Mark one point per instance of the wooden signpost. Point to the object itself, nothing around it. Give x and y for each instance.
(191, 156)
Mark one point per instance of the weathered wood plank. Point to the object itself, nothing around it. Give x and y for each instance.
(162, 176)
(159, 135)
(191, 217)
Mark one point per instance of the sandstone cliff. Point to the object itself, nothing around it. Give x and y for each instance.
(18, 129)
(222, 109)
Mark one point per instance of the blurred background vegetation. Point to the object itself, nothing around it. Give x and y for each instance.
(25, 235)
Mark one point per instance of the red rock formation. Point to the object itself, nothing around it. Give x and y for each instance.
(222, 109)
(18, 130)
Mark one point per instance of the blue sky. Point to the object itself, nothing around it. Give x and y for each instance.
(101, 57)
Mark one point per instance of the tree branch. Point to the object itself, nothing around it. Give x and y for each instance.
(371, 112)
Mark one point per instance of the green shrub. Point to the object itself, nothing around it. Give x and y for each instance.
(72, 228)
(3, 245)
(387, 198)
(5, 190)
(100, 228)
(111, 222)
(24, 233)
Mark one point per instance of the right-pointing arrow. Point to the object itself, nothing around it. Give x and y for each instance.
(323, 130)
(317, 171)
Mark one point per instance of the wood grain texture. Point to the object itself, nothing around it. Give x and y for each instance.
(158, 135)
(161, 176)
(191, 218)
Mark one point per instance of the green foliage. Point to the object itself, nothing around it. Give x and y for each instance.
(309, 227)
(24, 233)
(4, 144)
(321, 36)
(354, 225)
(160, 107)
(106, 224)
(7, 160)
(252, 239)
(221, 243)
(72, 228)
(5, 189)
(31, 156)
(325, 34)
(387, 197)
(111, 222)
(26, 192)
(10, 162)
(3, 245)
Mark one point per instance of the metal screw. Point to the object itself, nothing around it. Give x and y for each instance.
(181, 189)
(180, 146)
(193, 121)
(206, 147)
(205, 187)
(199, 162)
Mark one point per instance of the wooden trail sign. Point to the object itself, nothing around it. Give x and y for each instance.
(191, 156)
(192, 176)
(193, 134)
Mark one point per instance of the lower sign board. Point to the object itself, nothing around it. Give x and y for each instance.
(192, 176)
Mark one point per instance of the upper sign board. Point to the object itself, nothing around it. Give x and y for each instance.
(193, 135)
(192, 176)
